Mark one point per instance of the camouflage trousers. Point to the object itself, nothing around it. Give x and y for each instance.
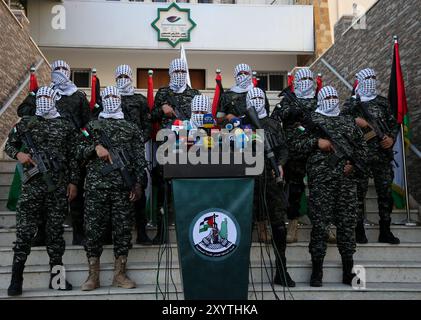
(102, 206)
(33, 202)
(332, 201)
(295, 171)
(382, 172)
(268, 202)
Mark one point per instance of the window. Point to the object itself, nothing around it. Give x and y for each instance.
(81, 77)
(271, 81)
(228, 1)
(159, 0)
(204, 1)
(183, 1)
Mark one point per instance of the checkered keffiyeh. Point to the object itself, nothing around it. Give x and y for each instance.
(199, 103)
(46, 103)
(125, 85)
(256, 99)
(304, 88)
(243, 82)
(111, 102)
(366, 88)
(177, 79)
(330, 107)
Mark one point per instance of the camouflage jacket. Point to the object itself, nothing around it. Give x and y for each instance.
(74, 108)
(380, 109)
(136, 110)
(235, 103)
(181, 103)
(124, 136)
(282, 113)
(342, 129)
(57, 138)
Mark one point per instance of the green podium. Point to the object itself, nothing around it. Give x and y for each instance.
(213, 215)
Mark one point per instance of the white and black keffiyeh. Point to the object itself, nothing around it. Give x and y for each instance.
(304, 88)
(178, 80)
(46, 103)
(200, 103)
(61, 79)
(328, 107)
(256, 99)
(125, 85)
(367, 86)
(111, 102)
(243, 82)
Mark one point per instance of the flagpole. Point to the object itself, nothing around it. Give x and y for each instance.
(407, 221)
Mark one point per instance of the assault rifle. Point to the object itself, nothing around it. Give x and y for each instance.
(340, 151)
(119, 159)
(44, 164)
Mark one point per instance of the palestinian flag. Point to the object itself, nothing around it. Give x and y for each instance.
(207, 223)
(398, 103)
(95, 91)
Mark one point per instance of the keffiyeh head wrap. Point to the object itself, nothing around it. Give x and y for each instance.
(243, 82)
(256, 99)
(304, 84)
(328, 102)
(200, 103)
(178, 80)
(367, 84)
(46, 103)
(124, 84)
(111, 102)
(60, 77)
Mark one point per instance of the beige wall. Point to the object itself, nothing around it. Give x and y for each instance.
(339, 8)
(105, 61)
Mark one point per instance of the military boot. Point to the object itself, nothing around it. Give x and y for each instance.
(292, 232)
(15, 287)
(120, 277)
(67, 285)
(347, 265)
(316, 279)
(360, 236)
(92, 282)
(386, 236)
(282, 276)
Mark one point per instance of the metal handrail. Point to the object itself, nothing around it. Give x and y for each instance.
(19, 89)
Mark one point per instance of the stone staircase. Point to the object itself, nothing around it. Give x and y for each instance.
(392, 272)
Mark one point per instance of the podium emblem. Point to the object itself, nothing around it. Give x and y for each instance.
(214, 233)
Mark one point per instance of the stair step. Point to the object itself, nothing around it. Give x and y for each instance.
(330, 291)
(147, 272)
(402, 253)
(6, 179)
(7, 166)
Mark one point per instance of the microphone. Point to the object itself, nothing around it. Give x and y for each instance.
(208, 121)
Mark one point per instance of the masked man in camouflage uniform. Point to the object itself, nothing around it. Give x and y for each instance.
(268, 201)
(115, 167)
(333, 190)
(171, 103)
(295, 168)
(135, 109)
(380, 154)
(72, 105)
(49, 138)
(233, 101)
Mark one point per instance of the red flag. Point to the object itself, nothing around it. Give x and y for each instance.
(291, 81)
(254, 79)
(397, 95)
(92, 103)
(33, 82)
(319, 83)
(218, 91)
